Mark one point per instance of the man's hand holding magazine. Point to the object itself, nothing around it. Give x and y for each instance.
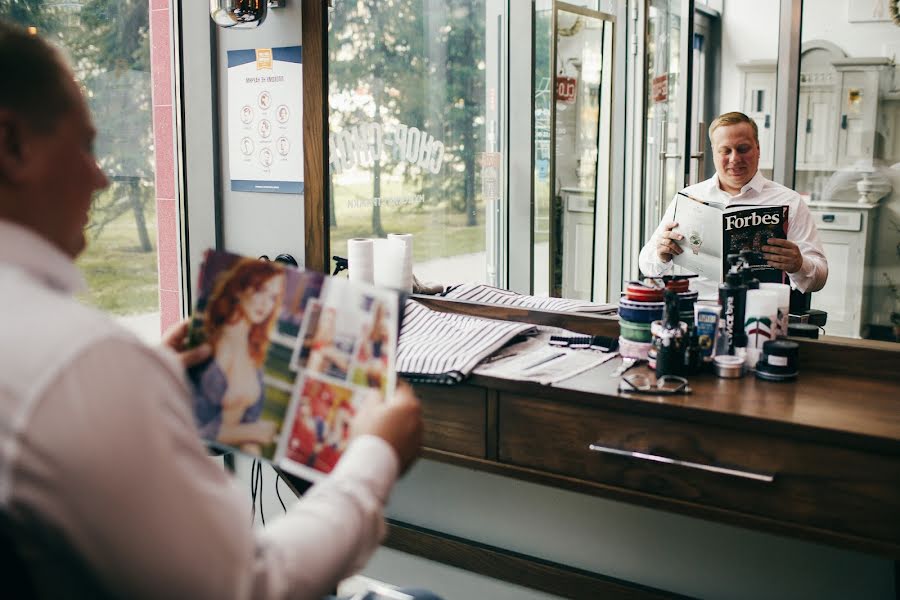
(783, 254)
(398, 421)
(667, 246)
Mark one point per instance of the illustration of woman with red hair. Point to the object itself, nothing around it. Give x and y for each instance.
(229, 391)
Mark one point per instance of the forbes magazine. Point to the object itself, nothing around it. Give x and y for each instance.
(711, 234)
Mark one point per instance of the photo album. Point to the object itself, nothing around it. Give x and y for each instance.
(295, 355)
(711, 234)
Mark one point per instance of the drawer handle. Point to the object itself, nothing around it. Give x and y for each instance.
(683, 463)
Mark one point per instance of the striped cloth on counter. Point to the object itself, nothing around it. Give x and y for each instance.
(437, 347)
(477, 292)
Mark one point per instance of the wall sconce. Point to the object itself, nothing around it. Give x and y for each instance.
(241, 14)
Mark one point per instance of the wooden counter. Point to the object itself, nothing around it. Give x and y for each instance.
(817, 459)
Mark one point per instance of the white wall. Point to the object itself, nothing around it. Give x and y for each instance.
(749, 32)
(255, 224)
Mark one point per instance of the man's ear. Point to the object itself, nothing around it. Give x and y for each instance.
(14, 135)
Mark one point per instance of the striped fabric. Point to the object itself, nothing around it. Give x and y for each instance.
(477, 292)
(436, 347)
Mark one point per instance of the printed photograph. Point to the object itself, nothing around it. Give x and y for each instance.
(372, 362)
(305, 337)
(238, 307)
(320, 425)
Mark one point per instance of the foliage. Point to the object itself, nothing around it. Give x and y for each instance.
(107, 42)
(121, 278)
(420, 63)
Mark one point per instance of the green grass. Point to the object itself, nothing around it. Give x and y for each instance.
(121, 278)
(439, 230)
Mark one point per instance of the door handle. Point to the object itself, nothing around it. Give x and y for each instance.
(740, 473)
(843, 121)
(767, 122)
(808, 125)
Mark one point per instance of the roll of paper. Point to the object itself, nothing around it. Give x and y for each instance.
(406, 281)
(361, 259)
(760, 321)
(783, 294)
(393, 264)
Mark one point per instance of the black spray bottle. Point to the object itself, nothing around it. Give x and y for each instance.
(750, 258)
(733, 300)
(670, 340)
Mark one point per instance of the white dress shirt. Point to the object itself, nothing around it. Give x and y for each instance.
(100, 462)
(759, 191)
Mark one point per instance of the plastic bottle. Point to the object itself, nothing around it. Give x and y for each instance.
(750, 258)
(669, 339)
(733, 299)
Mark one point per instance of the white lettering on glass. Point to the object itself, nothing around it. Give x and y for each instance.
(360, 145)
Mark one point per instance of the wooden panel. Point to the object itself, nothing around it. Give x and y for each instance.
(857, 358)
(315, 135)
(455, 418)
(513, 567)
(815, 486)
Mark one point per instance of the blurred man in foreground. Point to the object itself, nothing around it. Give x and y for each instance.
(105, 487)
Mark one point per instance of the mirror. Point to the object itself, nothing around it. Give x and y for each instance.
(579, 174)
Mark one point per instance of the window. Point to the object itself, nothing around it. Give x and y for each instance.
(415, 97)
(107, 43)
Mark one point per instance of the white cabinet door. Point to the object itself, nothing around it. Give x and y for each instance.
(578, 246)
(816, 127)
(842, 296)
(859, 103)
(759, 105)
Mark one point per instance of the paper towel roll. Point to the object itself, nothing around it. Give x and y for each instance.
(406, 237)
(405, 281)
(393, 264)
(361, 259)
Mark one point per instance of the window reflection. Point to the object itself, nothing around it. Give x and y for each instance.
(848, 162)
(415, 132)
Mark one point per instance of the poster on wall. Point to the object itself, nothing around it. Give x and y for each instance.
(265, 127)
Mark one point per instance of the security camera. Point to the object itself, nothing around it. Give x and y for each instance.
(238, 14)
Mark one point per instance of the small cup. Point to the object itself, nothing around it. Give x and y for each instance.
(728, 366)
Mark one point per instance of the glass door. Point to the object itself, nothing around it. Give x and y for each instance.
(663, 145)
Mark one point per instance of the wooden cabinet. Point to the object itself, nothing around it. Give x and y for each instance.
(766, 476)
(762, 469)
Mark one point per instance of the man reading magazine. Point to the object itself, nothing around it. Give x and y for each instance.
(107, 490)
(738, 182)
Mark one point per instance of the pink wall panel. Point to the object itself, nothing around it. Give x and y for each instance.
(163, 138)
